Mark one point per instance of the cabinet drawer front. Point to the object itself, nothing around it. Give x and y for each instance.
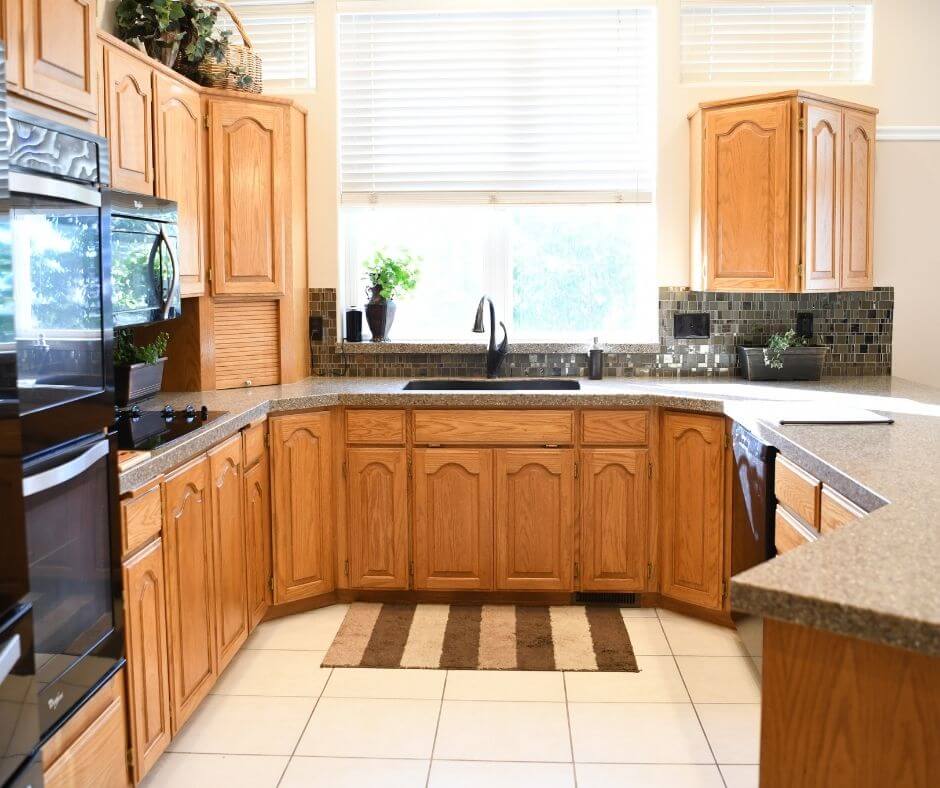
(615, 427)
(499, 427)
(789, 532)
(836, 511)
(798, 491)
(141, 519)
(253, 443)
(375, 426)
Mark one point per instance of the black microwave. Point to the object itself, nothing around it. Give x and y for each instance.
(145, 274)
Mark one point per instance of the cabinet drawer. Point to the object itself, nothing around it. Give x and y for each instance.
(375, 426)
(798, 491)
(141, 519)
(253, 443)
(836, 511)
(615, 427)
(789, 532)
(497, 427)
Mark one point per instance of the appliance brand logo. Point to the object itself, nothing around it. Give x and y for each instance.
(54, 702)
(138, 204)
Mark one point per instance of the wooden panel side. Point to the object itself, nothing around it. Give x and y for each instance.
(858, 201)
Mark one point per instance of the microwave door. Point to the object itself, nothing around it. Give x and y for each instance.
(137, 284)
(171, 290)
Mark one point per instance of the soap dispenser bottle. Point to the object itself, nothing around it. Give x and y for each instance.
(596, 361)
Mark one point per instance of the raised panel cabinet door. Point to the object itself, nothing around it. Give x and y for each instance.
(535, 494)
(301, 477)
(692, 508)
(148, 670)
(190, 587)
(822, 194)
(453, 519)
(180, 174)
(614, 519)
(858, 192)
(130, 121)
(11, 33)
(377, 517)
(258, 527)
(746, 197)
(60, 46)
(249, 168)
(230, 546)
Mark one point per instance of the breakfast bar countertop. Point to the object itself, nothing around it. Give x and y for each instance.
(878, 579)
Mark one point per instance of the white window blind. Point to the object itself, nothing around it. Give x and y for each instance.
(282, 32)
(788, 41)
(551, 105)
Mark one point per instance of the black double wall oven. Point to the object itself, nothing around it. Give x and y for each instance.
(59, 373)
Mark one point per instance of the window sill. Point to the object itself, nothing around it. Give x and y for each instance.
(444, 348)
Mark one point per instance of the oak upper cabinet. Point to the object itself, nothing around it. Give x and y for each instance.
(180, 173)
(302, 505)
(692, 508)
(229, 546)
(535, 509)
(190, 587)
(148, 673)
(11, 33)
(129, 111)
(377, 517)
(56, 59)
(773, 206)
(615, 486)
(453, 519)
(249, 174)
(257, 521)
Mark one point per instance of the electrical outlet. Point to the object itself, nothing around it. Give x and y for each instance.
(692, 325)
(316, 328)
(804, 324)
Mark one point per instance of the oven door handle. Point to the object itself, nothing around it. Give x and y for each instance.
(53, 477)
(44, 186)
(175, 282)
(10, 654)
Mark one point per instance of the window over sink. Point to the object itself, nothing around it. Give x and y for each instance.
(514, 152)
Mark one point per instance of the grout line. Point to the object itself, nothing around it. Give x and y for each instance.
(306, 725)
(574, 771)
(440, 712)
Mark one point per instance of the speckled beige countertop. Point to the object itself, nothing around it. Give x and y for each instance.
(878, 579)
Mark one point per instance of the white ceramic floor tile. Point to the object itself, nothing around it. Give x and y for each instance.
(741, 776)
(473, 774)
(507, 731)
(520, 685)
(638, 612)
(371, 728)
(720, 679)
(274, 673)
(615, 775)
(657, 682)
(691, 637)
(385, 683)
(310, 631)
(637, 733)
(646, 635)
(355, 773)
(243, 725)
(733, 730)
(186, 770)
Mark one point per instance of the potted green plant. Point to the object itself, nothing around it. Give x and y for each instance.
(787, 356)
(138, 369)
(388, 276)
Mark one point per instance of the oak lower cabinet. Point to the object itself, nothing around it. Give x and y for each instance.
(377, 517)
(692, 515)
(148, 673)
(615, 492)
(257, 522)
(302, 479)
(453, 519)
(535, 519)
(190, 585)
(229, 548)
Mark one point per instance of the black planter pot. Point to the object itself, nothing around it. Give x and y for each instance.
(137, 382)
(380, 314)
(799, 363)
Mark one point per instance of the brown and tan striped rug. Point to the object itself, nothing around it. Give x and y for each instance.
(482, 637)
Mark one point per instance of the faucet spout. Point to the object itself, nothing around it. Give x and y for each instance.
(494, 355)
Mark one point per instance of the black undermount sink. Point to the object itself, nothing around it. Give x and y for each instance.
(497, 384)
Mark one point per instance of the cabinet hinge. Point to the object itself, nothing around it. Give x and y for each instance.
(724, 590)
(130, 758)
(209, 274)
(411, 569)
(346, 567)
(802, 124)
(551, 445)
(577, 466)
(577, 571)
(649, 469)
(410, 473)
(344, 469)
(271, 584)
(267, 441)
(649, 570)
(205, 121)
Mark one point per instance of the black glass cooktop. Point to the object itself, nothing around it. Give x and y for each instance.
(145, 430)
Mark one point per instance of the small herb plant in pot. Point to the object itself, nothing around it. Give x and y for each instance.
(787, 356)
(138, 369)
(388, 277)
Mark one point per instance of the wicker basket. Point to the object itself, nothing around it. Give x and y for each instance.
(239, 58)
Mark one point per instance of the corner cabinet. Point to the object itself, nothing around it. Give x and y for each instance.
(781, 194)
(302, 478)
(692, 508)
